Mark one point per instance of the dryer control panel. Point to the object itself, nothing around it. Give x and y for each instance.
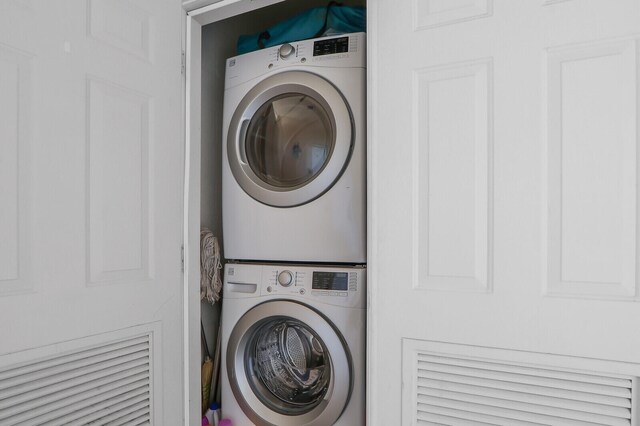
(341, 51)
(344, 286)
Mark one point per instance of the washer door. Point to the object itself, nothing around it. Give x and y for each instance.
(290, 139)
(287, 365)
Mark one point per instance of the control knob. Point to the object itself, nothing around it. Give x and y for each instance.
(286, 50)
(285, 278)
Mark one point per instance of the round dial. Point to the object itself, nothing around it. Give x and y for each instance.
(285, 278)
(286, 50)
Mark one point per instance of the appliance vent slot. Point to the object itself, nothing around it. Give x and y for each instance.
(466, 391)
(99, 385)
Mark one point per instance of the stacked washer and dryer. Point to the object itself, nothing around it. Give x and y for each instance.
(294, 222)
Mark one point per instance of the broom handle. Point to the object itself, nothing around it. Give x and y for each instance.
(215, 380)
(204, 340)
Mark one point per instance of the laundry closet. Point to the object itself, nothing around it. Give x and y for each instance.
(218, 42)
(502, 211)
(503, 214)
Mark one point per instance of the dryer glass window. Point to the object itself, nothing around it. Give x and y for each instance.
(288, 366)
(289, 140)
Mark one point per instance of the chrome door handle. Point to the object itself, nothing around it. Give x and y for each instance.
(242, 136)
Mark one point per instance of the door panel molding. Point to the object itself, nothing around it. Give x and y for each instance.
(592, 188)
(133, 34)
(436, 13)
(16, 68)
(453, 176)
(120, 230)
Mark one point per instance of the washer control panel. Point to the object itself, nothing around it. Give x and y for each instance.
(335, 285)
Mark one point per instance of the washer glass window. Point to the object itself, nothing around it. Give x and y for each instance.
(289, 140)
(288, 366)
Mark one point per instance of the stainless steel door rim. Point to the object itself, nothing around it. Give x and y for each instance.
(323, 93)
(336, 397)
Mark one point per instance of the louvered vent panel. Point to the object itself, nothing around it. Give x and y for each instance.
(459, 391)
(105, 385)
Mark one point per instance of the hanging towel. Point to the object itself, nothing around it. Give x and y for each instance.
(210, 267)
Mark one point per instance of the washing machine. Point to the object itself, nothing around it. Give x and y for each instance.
(294, 152)
(293, 345)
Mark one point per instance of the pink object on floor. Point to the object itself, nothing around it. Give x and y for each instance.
(225, 422)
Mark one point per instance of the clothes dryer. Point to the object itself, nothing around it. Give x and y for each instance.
(294, 152)
(293, 345)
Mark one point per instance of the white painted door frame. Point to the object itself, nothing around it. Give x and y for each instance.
(372, 385)
(195, 20)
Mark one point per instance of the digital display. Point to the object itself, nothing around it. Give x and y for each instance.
(330, 281)
(331, 46)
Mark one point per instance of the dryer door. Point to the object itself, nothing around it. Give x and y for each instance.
(287, 365)
(290, 139)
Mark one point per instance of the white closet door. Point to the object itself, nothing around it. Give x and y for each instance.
(91, 175)
(504, 206)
